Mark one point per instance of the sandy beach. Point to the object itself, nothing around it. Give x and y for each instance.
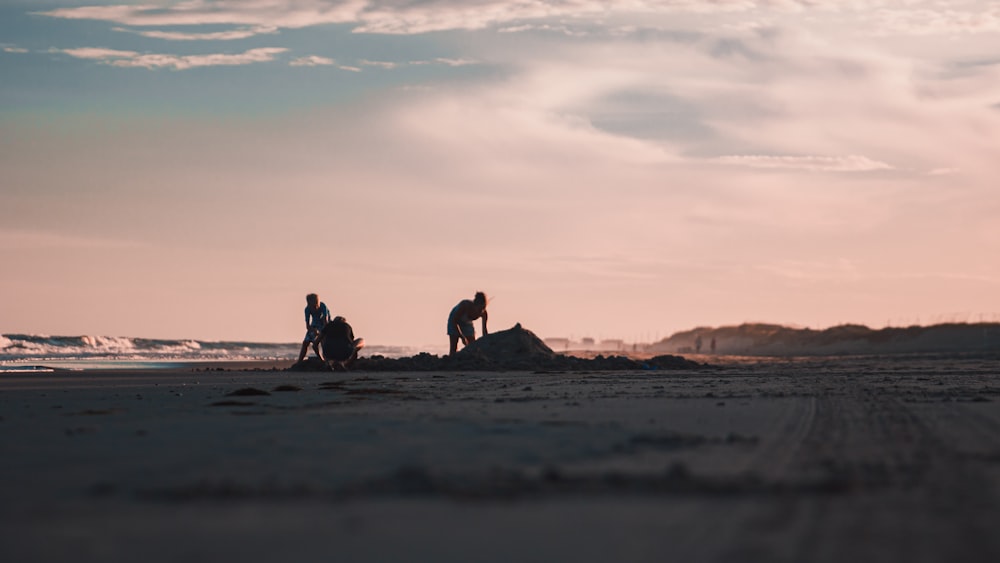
(853, 459)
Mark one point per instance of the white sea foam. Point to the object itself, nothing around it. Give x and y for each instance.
(21, 348)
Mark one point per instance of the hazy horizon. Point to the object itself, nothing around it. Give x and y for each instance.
(192, 169)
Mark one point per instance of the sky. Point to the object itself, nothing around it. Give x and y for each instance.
(192, 169)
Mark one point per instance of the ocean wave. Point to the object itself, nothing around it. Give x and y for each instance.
(33, 347)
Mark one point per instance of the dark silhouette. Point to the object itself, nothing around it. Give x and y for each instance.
(317, 315)
(460, 319)
(340, 347)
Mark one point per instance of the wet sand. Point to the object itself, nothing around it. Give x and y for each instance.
(861, 459)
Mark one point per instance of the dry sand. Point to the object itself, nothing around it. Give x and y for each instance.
(861, 459)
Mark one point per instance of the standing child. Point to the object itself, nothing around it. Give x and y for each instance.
(317, 315)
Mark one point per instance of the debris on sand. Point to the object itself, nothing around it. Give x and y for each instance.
(310, 364)
(247, 392)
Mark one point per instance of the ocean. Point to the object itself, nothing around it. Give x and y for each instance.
(34, 352)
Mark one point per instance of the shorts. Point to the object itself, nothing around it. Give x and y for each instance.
(467, 328)
(310, 336)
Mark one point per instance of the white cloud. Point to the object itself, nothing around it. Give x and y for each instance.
(99, 53)
(241, 33)
(133, 59)
(851, 163)
(447, 62)
(388, 65)
(316, 60)
(13, 49)
(312, 60)
(380, 64)
(393, 17)
(260, 14)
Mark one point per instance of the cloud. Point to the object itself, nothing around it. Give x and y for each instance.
(389, 65)
(13, 49)
(380, 64)
(944, 172)
(241, 33)
(316, 60)
(99, 53)
(259, 14)
(851, 163)
(393, 17)
(133, 59)
(447, 62)
(937, 22)
(312, 60)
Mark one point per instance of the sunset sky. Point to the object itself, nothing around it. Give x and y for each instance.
(191, 169)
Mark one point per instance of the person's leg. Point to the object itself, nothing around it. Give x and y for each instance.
(454, 344)
(305, 348)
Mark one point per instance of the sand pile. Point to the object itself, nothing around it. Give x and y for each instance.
(514, 349)
(516, 342)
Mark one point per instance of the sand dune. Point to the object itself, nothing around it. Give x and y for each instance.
(776, 340)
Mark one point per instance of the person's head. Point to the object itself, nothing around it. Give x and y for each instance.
(313, 300)
(480, 299)
(339, 319)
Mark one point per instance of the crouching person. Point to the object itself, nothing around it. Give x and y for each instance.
(340, 347)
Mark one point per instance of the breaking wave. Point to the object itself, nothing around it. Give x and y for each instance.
(33, 347)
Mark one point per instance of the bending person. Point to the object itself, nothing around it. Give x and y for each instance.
(460, 319)
(317, 315)
(340, 348)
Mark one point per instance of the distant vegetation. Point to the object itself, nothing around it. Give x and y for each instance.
(756, 339)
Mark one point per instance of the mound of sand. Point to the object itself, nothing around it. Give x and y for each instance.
(516, 342)
(515, 349)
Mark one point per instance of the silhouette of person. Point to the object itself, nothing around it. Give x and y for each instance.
(340, 347)
(711, 345)
(697, 344)
(317, 315)
(460, 319)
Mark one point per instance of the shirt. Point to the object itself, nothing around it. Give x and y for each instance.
(319, 317)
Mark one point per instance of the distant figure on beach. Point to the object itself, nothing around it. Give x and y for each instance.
(711, 345)
(697, 344)
(317, 315)
(460, 319)
(339, 346)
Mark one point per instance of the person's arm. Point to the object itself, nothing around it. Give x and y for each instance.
(485, 332)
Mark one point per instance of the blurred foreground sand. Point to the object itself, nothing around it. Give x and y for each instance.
(859, 459)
